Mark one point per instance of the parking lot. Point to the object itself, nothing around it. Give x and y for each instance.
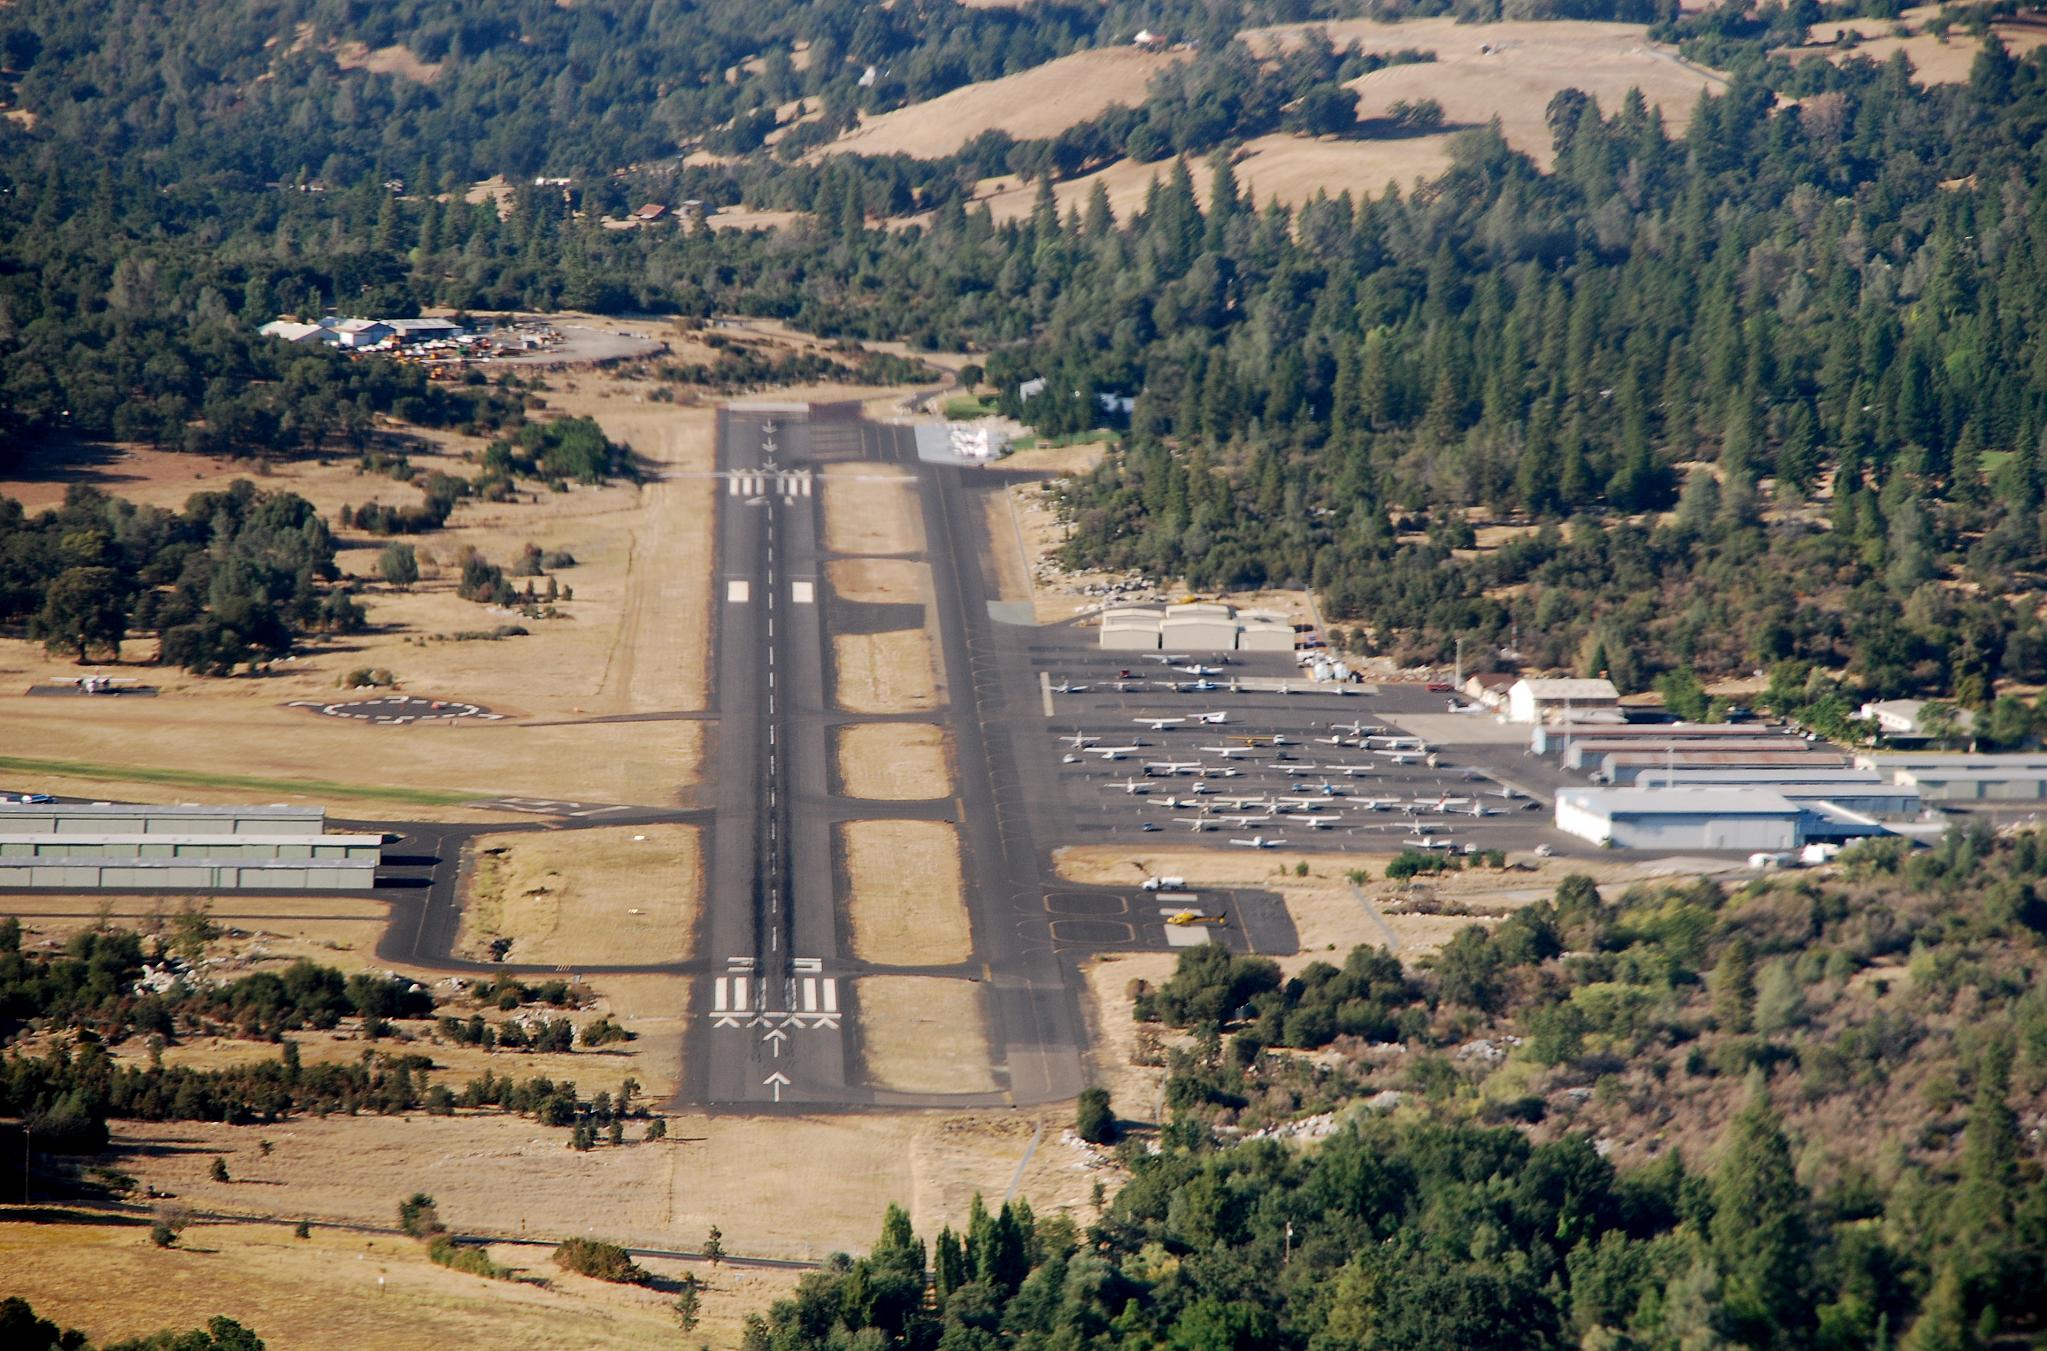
(1242, 750)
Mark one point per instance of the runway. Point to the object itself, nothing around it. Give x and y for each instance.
(775, 1013)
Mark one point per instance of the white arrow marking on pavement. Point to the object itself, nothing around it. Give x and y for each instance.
(775, 1038)
(776, 1081)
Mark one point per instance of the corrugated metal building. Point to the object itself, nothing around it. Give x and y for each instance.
(1621, 769)
(1200, 627)
(1592, 750)
(1548, 738)
(100, 846)
(1749, 820)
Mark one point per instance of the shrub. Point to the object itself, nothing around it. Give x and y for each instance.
(418, 1218)
(445, 1251)
(604, 1031)
(1095, 1122)
(600, 1261)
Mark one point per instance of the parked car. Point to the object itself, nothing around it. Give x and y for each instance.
(33, 799)
(1439, 687)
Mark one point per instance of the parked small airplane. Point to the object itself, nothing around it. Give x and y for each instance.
(1215, 719)
(1225, 752)
(1197, 824)
(1405, 757)
(1199, 670)
(1077, 740)
(1064, 687)
(1130, 785)
(1259, 842)
(1429, 842)
(1357, 728)
(1114, 752)
(1158, 724)
(1242, 821)
(1173, 766)
(1315, 822)
(1217, 772)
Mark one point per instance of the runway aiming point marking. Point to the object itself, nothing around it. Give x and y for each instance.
(398, 710)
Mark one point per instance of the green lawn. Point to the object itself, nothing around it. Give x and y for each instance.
(961, 409)
(80, 769)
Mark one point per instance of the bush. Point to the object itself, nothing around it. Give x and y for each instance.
(445, 1251)
(1095, 1122)
(603, 1032)
(600, 1261)
(418, 1218)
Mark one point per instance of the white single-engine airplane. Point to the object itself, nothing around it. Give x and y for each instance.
(1259, 842)
(1158, 724)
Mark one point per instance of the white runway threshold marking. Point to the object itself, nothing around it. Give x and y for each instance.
(738, 593)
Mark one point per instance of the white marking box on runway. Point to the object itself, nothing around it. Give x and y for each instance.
(738, 593)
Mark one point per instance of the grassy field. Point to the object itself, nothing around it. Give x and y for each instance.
(631, 640)
(610, 896)
(924, 1034)
(883, 581)
(894, 761)
(866, 513)
(799, 1187)
(906, 897)
(888, 672)
(1040, 102)
(342, 1290)
(184, 778)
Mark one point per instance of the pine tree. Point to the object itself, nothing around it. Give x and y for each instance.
(1759, 1234)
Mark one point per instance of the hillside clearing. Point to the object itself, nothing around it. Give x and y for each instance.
(1030, 105)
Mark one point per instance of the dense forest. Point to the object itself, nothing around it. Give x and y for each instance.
(1804, 1114)
(1767, 392)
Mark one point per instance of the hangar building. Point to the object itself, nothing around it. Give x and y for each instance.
(79, 847)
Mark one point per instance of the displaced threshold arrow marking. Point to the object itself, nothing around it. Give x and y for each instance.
(775, 1037)
(777, 1081)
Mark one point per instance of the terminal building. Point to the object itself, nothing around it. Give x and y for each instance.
(105, 846)
(1536, 700)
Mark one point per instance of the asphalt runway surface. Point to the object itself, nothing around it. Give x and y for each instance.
(775, 1013)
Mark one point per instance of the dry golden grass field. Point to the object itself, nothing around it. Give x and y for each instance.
(924, 1034)
(894, 761)
(611, 896)
(870, 513)
(888, 672)
(1509, 70)
(904, 892)
(1936, 58)
(1040, 102)
(631, 640)
(799, 1187)
(346, 1291)
(880, 581)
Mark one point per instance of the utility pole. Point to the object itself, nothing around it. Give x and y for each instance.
(1458, 678)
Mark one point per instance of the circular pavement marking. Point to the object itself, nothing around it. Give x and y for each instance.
(1092, 931)
(398, 710)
